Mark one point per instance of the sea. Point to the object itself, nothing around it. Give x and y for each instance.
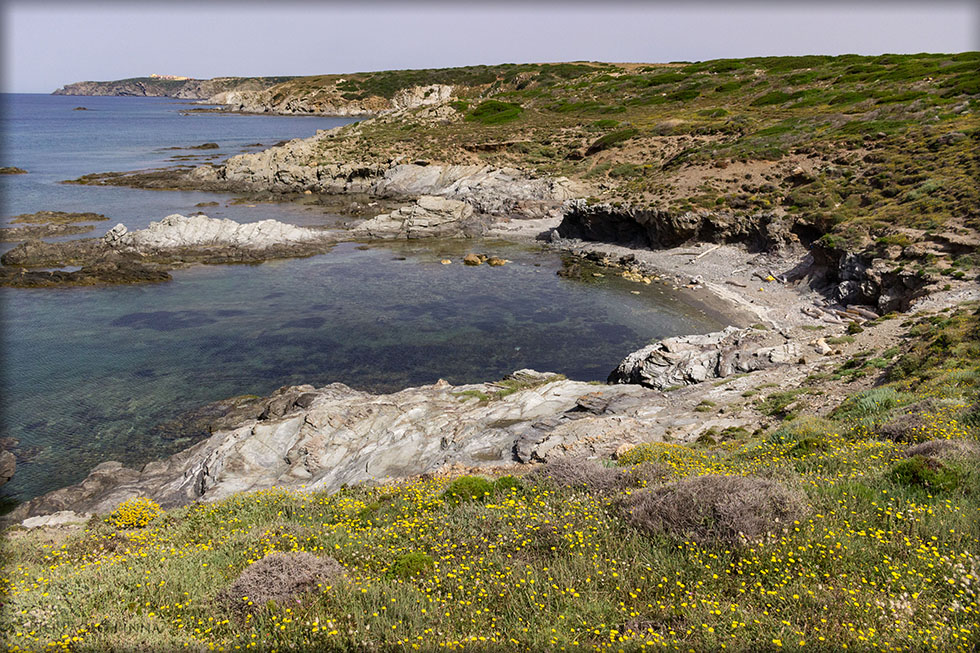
(90, 374)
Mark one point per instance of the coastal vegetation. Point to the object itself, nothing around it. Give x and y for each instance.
(866, 152)
(858, 529)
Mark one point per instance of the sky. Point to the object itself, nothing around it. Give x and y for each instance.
(48, 44)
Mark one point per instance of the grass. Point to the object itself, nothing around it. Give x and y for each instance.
(507, 387)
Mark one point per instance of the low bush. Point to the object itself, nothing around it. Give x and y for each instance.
(495, 112)
(410, 565)
(277, 578)
(610, 139)
(946, 449)
(592, 477)
(871, 406)
(507, 484)
(468, 488)
(925, 473)
(715, 509)
(137, 512)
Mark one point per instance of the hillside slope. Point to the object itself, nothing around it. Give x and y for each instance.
(870, 162)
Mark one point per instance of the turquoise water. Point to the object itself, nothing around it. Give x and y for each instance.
(89, 372)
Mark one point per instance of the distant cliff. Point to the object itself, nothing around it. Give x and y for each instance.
(176, 88)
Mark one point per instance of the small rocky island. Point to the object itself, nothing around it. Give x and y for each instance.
(146, 255)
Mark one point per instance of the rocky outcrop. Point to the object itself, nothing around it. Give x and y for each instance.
(864, 278)
(33, 232)
(686, 360)
(329, 100)
(657, 229)
(295, 167)
(245, 101)
(324, 438)
(428, 217)
(41, 254)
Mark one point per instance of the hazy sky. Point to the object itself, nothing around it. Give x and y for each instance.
(49, 44)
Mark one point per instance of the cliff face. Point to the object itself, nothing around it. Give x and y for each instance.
(191, 89)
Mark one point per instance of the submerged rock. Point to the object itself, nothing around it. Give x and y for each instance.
(57, 217)
(8, 465)
(33, 232)
(99, 273)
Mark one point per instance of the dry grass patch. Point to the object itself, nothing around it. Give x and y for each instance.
(715, 509)
(278, 578)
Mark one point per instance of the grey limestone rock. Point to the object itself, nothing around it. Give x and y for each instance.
(428, 217)
(687, 360)
(177, 231)
(325, 438)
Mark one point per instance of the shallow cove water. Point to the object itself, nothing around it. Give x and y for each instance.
(89, 372)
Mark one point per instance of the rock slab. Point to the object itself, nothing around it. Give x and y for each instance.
(428, 217)
(686, 360)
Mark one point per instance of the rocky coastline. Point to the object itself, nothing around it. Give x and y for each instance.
(752, 255)
(683, 390)
(309, 438)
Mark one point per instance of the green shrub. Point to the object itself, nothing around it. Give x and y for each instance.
(808, 445)
(495, 112)
(923, 473)
(468, 488)
(773, 97)
(506, 484)
(605, 123)
(778, 402)
(870, 405)
(610, 139)
(801, 428)
(411, 564)
(368, 511)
